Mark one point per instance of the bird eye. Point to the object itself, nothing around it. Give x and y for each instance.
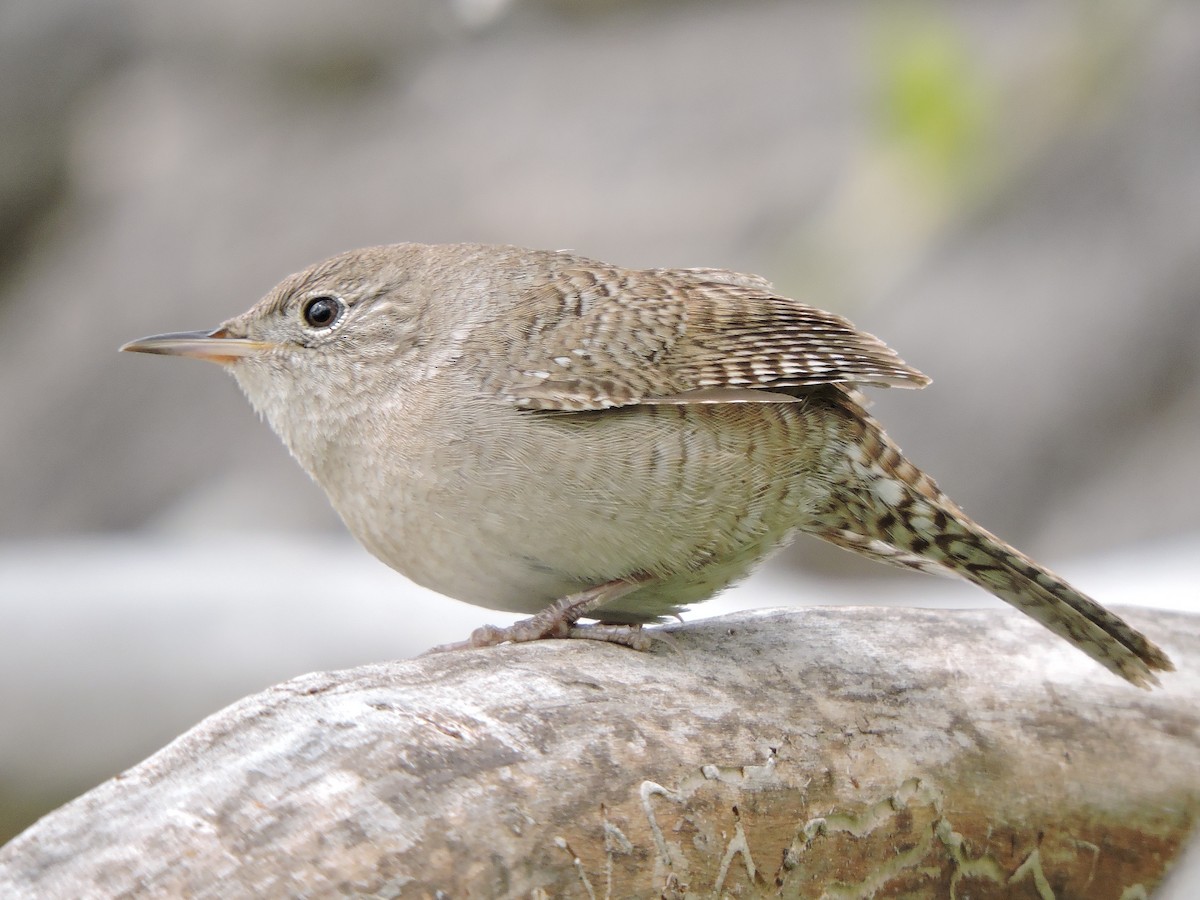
(321, 312)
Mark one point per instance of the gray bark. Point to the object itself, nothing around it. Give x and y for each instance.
(808, 753)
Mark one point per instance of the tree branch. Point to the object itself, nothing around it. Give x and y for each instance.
(816, 752)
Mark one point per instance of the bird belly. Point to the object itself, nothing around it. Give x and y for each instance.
(688, 498)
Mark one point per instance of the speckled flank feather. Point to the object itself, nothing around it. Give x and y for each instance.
(880, 496)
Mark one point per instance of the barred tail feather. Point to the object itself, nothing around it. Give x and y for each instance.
(985, 560)
(891, 504)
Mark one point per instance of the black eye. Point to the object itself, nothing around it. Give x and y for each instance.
(321, 312)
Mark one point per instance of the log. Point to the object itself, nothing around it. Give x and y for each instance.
(829, 752)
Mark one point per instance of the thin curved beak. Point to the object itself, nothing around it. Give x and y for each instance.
(217, 346)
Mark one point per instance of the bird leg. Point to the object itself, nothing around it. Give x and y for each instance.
(558, 621)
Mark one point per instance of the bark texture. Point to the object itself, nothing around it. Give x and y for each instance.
(807, 753)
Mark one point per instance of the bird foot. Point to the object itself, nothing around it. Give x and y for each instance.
(631, 636)
(558, 621)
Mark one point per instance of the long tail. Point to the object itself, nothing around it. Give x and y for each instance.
(905, 519)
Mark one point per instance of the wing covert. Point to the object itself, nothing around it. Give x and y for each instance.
(592, 336)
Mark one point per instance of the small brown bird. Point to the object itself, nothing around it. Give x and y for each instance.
(539, 432)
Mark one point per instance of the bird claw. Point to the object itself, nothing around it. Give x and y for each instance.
(558, 621)
(632, 636)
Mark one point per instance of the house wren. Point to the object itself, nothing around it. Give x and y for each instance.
(538, 432)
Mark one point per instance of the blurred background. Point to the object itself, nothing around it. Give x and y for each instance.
(1008, 194)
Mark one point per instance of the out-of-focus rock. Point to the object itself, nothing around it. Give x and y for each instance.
(50, 53)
